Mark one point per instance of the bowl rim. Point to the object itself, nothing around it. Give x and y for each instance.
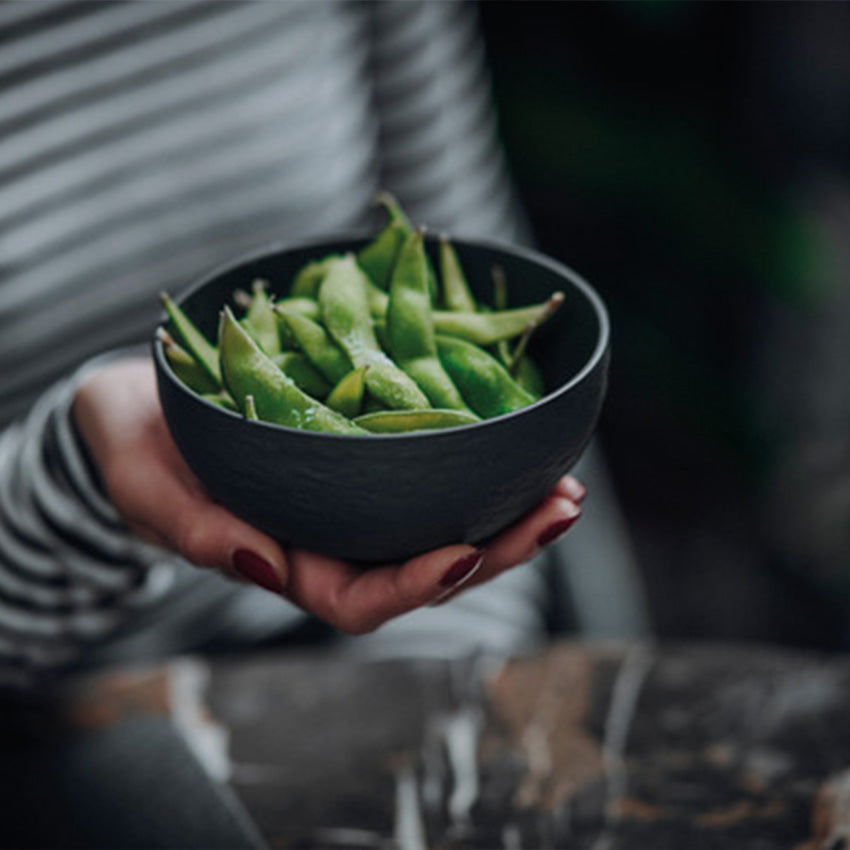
(281, 246)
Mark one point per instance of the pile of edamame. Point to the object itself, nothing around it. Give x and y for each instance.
(377, 341)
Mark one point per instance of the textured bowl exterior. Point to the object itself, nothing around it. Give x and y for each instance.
(382, 498)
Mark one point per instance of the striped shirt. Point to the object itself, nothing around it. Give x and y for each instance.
(140, 145)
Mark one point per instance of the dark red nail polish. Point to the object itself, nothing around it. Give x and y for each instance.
(462, 569)
(554, 531)
(256, 569)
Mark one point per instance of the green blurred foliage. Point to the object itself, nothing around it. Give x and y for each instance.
(683, 237)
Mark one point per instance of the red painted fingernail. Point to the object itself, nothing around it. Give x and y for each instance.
(554, 531)
(462, 569)
(256, 569)
(575, 488)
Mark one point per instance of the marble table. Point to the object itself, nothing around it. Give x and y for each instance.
(609, 747)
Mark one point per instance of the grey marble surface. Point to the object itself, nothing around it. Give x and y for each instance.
(614, 746)
(579, 747)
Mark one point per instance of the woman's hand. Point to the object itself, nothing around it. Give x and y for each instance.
(119, 418)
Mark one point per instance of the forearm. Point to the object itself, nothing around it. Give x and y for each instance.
(68, 566)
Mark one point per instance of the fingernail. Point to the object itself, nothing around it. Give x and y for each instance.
(575, 488)
(458, 573)
(462, 569)
(256, 569)
(556, 529)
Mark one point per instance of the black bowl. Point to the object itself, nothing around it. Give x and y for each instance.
(383, 498)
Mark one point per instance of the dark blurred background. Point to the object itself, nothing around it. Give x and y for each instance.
(690, 159)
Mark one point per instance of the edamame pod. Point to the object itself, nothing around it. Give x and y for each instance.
(347, 396)
(392, 207)
(250, 408)
(186, 367)
(221, 399)
(527, 374)
(315, 342)
(192, 339)
(529, 377)
(520, 365)
(260, 320)
(310, 276)
(456, 292)
(298, 367)
(247, 370)
(402, 421)
(519, 352)
(378, 257)
(487, 328)
(302, 305)
(344, 302)
(500, 302)
(484, 383)
(378, 300)
(482, 328)
(410, 328)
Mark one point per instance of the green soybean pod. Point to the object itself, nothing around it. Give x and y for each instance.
(482, 328)
(247, 370)
(393, 209)
(344, 302)
(402, 421)
(302, 305)
(298, 367)
(484, 383)
(309, 277)
(380, 326)
(488, 328)
(186, 367)
(378, 257)
(347, 396)
(528, 375)
(410, 328)
(378, 301)
(500, 302)
(519, 351)
(456, 292)
(250, 408)
(192, 339)
(317, 345)
(221, 399)
(518, 362)
(260, 319)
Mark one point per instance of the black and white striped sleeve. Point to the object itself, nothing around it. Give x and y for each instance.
(68, 567)
(441, 152)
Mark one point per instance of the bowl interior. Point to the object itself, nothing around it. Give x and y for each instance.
(564, 347)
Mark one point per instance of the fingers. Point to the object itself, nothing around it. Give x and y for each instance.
(524, 539)
(119, 417)
(358, 601)
(571, 488)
